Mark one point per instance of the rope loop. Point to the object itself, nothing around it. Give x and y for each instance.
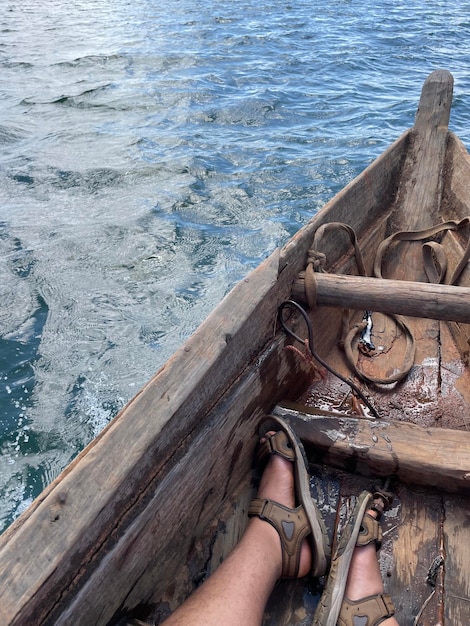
(317, 260)
(311, 286)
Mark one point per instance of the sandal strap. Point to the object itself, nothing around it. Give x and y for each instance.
(370, 531)
(373, 609)
(381, 501)
(290, 447)
(275, 444)
(292, 527)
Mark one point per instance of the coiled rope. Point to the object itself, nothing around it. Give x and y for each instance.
(435, 264)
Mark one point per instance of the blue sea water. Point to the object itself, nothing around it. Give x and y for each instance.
(152, 153)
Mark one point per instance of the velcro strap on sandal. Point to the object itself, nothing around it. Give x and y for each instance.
(370, 531)
(292, 527)
(373, 609)
(381, 502)
(275, 444)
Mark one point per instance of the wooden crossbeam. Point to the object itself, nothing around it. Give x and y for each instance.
(431, 457)
(400, 297)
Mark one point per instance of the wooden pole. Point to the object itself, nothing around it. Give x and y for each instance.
(425, 300)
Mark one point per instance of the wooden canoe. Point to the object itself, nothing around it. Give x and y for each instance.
(153, 505)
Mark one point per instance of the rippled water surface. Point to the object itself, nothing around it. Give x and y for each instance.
(152, 153)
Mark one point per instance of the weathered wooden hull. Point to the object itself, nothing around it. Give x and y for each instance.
(151, 506)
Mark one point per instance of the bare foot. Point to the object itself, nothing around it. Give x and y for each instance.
(364, 578)
(277, 484)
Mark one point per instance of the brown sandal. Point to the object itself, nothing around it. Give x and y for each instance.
(372, 610)
(292, 525)
(369, 611)
(370, 531)
(334, 609)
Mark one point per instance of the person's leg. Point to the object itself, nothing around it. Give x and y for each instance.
(354, 592)
(364, 578)
(237, 592)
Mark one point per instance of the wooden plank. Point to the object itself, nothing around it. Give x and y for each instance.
(441, 302)
(455, 203)
(419, 207)
(421, 194)
(172, 542)
(456, 529)
(412, 543)
(432, 457)
(435, 102)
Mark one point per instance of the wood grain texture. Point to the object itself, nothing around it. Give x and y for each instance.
(420, 207)
(399, 297)
(456, 530)
(431, 457)
(414, 548)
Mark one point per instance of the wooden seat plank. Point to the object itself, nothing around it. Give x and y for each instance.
(432, 457)
(456, 528)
